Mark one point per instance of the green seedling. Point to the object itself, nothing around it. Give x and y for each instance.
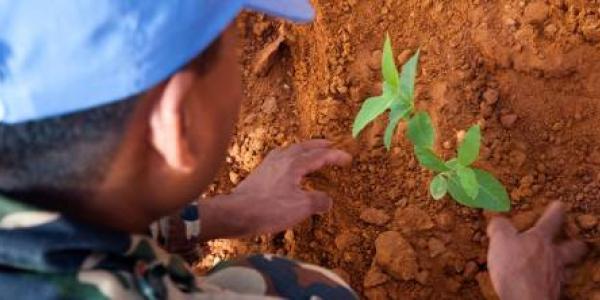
(467, 185)
(397, 96)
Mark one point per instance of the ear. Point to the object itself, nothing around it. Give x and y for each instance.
(167, 123)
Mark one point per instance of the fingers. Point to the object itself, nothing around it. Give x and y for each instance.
(571, 252)
(501, 228)
(316, 159)
(551, 222)
(320, 202)
(307, 145)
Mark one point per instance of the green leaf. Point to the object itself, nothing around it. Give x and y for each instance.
(420, 130)
(452, 164)
(370, 109)
(468, 151)
(438, 187)
(407, 78)
(492, 194)
(397, 113)
(430, 160)
(468, 181)
(456, 190)
(388, 66)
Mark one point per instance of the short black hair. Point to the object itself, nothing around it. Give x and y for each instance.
(63, 158)
(69, 153)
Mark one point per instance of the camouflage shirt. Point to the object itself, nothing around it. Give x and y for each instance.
(44, 255)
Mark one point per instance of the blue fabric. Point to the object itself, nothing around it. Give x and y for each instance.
(62, 56)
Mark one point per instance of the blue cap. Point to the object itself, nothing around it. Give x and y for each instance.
(63, 56)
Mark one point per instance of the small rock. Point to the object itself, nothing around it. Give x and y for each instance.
(234, 177)
(524, 220)
(471, 269)
(587, 221)
(403, 57)
(550, 29)
(453, 285)
(377, 293)
(374, 61)
(374, 216)
(374, 278)
(490, 96)
(422, 277)
(436, 247)
(460, 136)
(396, 256)
(445, 221)
(536, 12)
(412, 218)
(269, 106)
(508, 120)
(345, 240)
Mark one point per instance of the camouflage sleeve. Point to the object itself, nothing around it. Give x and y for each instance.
(276, 276)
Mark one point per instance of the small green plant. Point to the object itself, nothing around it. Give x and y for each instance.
(467, 185)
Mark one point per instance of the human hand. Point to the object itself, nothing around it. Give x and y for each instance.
(271, 198)
(531, 265)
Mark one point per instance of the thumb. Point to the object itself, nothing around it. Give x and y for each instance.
(320, 202)
(501, 227)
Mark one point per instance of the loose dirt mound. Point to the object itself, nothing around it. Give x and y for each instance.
(527, 71)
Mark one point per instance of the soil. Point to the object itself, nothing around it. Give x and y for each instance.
(527, 71)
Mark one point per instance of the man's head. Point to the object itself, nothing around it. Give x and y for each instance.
(67, 144)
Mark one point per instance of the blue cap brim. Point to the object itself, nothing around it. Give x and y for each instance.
(294, 10)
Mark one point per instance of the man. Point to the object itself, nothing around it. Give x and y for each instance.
(113, 115)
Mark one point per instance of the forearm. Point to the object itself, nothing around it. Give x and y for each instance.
(221, 219)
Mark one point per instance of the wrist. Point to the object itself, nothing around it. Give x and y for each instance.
(220, 218)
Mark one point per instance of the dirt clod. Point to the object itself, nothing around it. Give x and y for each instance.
(412, 218)
(374, 278)
(436, 247)
(345, 240)
(508, 120)
(587, 221)
(536, 12)
(374, 216)
(374, 61)
(490, 96)
(396, 255)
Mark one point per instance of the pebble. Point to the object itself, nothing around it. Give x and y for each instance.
(536, 12)
(587, 221)
(524, 220)
(422, 277)
(412, 218)
(436, 247)
(490, 96)
(396, 256)
(234, 177)
(374, 278)
(374, 61)
(374, 216)
(508, 120)
(269, 106)
(445, 221)
(403, 57)
(345, 240)
(471, 269)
